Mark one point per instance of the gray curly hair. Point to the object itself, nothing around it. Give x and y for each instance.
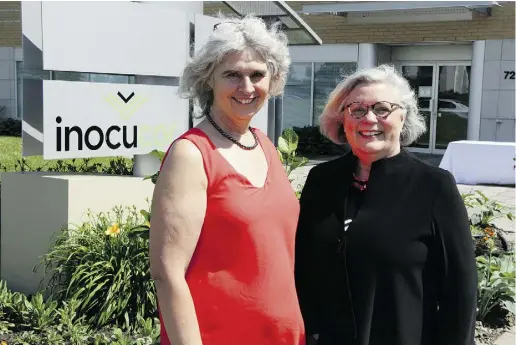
(331, 118)
(235, 35)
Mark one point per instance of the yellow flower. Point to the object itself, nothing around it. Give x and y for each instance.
(113, 230)
(3, 342)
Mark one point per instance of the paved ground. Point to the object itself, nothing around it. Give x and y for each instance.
(508, 338)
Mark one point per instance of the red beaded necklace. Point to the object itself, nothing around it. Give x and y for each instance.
(361, 185)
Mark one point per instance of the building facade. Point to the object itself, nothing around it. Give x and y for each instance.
(459, 60)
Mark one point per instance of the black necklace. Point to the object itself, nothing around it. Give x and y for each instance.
(221, 131)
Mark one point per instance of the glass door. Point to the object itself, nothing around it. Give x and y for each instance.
(421, 79)
(442, 90)
(451, 122)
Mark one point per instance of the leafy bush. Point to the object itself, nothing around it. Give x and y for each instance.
(287, 146)
(485, 233)
(117, 166)
(104, 265)
(34, 321)
(312, 142)
(10, 127)
(496, 287)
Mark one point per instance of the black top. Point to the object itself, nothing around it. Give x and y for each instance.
(405, 274)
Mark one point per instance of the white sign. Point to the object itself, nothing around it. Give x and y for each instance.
(99, 119)
(204, 26)
(114, 37)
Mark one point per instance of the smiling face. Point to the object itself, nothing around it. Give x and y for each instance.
(241, 85)
(372, 137)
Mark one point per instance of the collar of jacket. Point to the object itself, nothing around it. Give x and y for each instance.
(380, 169)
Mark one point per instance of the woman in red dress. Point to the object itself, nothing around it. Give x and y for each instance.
(224, 214)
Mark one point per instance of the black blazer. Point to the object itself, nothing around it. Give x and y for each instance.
(407, 273)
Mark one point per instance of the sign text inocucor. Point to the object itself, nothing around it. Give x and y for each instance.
(97, 120)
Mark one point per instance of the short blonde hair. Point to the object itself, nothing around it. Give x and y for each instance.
(330, 121)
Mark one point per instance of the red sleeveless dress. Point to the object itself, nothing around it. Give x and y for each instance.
(241, 275)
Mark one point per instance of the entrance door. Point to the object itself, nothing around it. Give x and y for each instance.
(442, 91)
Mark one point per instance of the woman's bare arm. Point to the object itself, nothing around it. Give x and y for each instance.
(178, 210)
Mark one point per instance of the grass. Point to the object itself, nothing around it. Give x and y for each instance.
(10, 153)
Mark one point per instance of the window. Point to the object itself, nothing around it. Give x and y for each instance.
(307, 89)
(326, 77)
(297, 98)
(22, 73)
(19, 89)
(93, 77)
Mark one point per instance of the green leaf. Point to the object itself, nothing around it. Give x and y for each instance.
(292, 138)
(283, 146)
(145, 214)
(282, 160)
(298, 162)
(158, 154)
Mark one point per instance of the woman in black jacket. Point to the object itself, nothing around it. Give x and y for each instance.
(384, 254)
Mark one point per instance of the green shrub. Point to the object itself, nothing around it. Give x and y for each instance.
(496, 287)
(485, 233)
(117, 166)
(104, 265)
(287, 150)
(33, 321)
(312, 142)
(10, 127)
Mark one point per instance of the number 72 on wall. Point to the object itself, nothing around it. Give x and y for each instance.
(509, 74)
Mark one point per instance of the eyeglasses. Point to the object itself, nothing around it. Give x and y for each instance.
(380, 109)
(216, 25)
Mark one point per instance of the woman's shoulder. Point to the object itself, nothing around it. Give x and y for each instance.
(334, 167)
(428, 171)
(189, 146)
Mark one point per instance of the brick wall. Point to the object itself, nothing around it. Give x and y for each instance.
(334, 29)
(10, 24)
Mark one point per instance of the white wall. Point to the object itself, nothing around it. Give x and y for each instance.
(191, 8)
(325, 53)
(433, 52)
(498, 100)
(36, 205)
(367, 55)
(127, 38)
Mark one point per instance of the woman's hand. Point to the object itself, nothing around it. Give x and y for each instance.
(311, 340)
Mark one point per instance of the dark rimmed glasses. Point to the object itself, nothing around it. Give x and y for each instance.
(381, 109)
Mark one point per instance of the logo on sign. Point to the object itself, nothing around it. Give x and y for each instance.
(125, 106)
(115, 136)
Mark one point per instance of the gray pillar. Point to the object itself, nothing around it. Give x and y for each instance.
(278, 110)
(271, 119)
(475, 90)
(367, 55)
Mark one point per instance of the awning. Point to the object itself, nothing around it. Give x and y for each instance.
(297, 31)
(401, 11)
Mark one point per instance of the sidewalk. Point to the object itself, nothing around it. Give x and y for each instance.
(508, 338)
